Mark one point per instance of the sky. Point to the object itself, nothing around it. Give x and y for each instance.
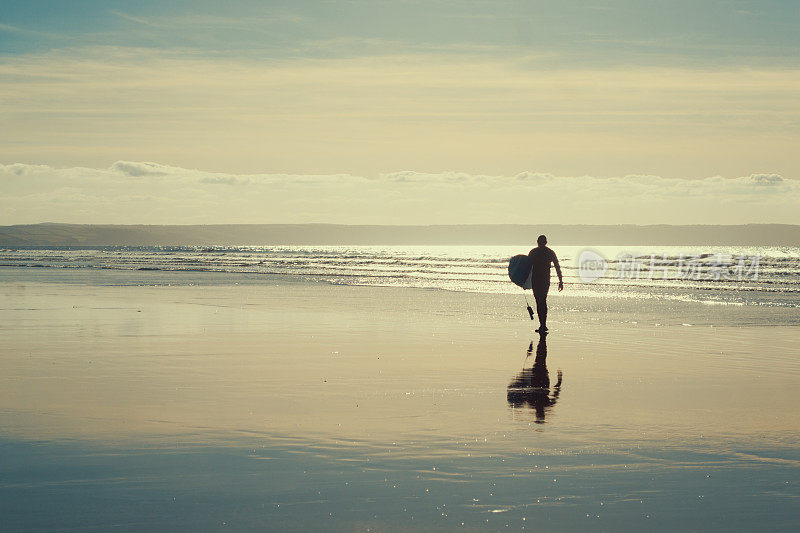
(400, 112)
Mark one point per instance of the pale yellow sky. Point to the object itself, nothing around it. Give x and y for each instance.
(400, 112)
(428, 112)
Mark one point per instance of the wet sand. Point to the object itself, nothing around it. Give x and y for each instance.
(318, 407)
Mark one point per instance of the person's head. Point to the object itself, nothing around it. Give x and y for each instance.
(542, 240)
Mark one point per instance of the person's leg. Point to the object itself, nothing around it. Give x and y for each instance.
(541, 307)
(540, 294)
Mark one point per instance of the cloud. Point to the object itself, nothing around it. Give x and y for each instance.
(130, 192)
(766, 179)
(134, 169)
(533, 176)
(20, 169)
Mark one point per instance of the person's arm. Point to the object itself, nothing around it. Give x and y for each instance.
(558, 271)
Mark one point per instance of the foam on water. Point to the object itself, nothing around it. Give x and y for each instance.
(705, 275)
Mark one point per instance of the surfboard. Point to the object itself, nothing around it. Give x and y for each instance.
(519, 270)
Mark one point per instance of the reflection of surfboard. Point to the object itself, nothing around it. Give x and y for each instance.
(519, 270)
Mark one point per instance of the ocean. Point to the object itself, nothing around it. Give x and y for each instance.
(764, 276)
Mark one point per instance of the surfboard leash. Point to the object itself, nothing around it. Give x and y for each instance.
(527, 303)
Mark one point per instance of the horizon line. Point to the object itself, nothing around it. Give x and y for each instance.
(469, 224)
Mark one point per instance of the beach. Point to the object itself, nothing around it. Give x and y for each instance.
(287, 404)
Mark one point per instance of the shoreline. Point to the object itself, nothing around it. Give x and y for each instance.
(678, 308)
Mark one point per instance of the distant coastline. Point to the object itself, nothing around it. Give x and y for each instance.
(49, 234)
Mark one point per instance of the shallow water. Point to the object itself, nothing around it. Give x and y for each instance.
(307, 406)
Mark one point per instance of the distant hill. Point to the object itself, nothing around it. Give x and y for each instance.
(268, 234)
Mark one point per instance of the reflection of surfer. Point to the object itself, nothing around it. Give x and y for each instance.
(531, 387)
(541, 257)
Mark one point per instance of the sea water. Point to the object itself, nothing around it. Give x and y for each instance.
(767, 276)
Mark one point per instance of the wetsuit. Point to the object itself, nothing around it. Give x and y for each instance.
(541, 258)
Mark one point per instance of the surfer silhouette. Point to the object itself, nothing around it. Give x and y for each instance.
(541, 258)
(531, 387)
